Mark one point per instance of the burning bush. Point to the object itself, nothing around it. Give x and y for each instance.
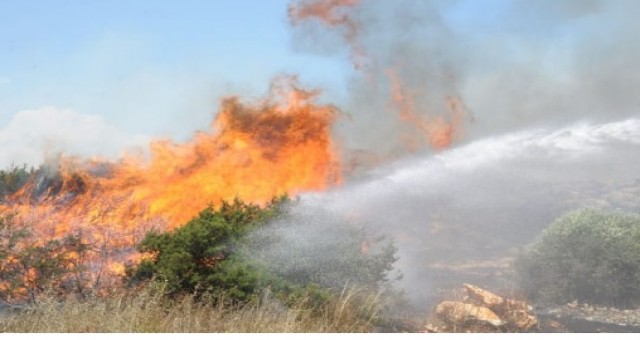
(29, 267)
(12, 179)
(587, 255)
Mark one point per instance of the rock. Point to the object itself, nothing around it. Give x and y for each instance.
(458, 314)
(515, 313)
(520, 320)
(484, 308)
(484, 297)
(429, 328)
(517, 304)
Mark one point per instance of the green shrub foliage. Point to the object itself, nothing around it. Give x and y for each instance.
(324, 249)
(587, 255)
(213, 254)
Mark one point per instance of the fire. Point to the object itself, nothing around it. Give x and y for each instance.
(333, 13)
(254, 151)
(437, 129)
(440, 131)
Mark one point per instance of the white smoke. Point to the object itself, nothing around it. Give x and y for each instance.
(31, 136)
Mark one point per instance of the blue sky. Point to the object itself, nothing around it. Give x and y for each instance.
(147, 65)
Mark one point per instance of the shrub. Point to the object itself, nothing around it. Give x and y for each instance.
(199, 256)
(327, 250)
(214, 254)
(587, 255)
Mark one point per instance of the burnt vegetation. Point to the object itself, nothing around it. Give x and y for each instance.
(39, 181)
(216, 253)
(29, 267)
(13, 178)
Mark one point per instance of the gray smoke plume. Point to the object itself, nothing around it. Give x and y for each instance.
(514, 64)
(554, 62)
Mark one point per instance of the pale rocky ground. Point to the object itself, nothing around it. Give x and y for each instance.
(494, 270)
(473, 309)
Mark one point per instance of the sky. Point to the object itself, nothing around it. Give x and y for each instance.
(145, 65)
(115, 74)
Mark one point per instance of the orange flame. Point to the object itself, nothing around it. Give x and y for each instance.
(254, 152)
(257, 153)
(333, 14)
(439, 131)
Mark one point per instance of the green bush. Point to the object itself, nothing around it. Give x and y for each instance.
(327, 250)
(199, 256)
(213, 254)
(587, 255)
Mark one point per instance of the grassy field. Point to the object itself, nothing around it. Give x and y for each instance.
(150, 310)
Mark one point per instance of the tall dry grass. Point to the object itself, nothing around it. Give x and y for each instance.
(150, 310)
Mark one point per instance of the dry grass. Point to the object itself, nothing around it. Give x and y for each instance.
(149, 310)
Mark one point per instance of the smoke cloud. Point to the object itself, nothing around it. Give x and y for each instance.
(556, 62)
(400, 89)
(510, 65)
(32, 136)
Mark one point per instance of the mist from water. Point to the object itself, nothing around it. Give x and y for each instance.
(462, 215)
